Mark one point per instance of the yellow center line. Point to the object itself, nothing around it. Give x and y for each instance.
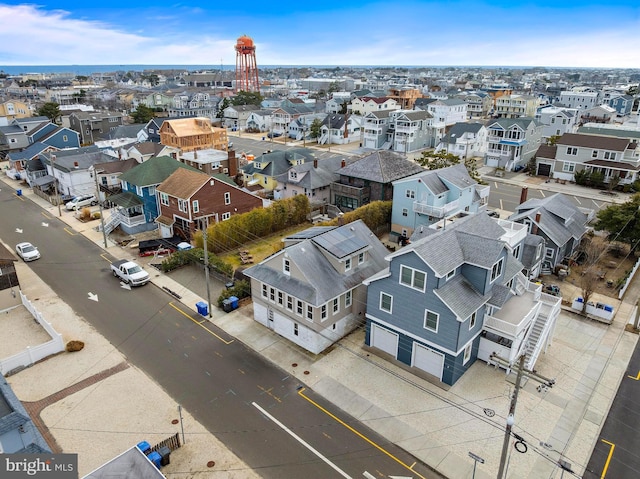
(69, 231)
(357, 433)
(196, 322)
(606, 464)
(637, 378)
(44, 213)
(268, 392)
(104, 257)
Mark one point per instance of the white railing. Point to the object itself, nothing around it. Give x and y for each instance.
(33, 354)
(437, 211)
(628, 280)
(483, 191)
(511, 330)
(514, 232)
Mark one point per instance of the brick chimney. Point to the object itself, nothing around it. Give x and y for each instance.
(315, 162)
(534, 226)
(232, 163)
(523, 194)
(343, 164)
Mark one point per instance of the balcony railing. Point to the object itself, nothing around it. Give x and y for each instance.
(514, 232)
(509, 329)
(436, 211)
(483, 191)
(348, 190)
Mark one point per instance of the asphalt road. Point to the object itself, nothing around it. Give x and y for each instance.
(617, 452)
(268, 418)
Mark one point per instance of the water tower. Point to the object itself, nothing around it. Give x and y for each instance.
(246, 67)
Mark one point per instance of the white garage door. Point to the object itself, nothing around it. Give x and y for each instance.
(428, 360)
(384, 340)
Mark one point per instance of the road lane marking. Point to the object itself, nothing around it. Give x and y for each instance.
(359, 434)
(104, 257)
(577, 199)
(197, 323)
(542, 193)
(301, 441)
(495, 184)
(501, 205)
(69, 231)
(606, 464)
(268, 393)
(637, 378)
(44, 213)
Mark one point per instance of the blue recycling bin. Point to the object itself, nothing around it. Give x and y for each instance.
(156, 458)
(203, 308)
(144, 447)
(234, 302)
(19, 192)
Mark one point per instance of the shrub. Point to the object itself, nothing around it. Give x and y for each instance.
(74, 345)
(241, 289)
(85, 214)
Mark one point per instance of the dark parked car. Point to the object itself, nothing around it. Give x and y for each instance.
(274, 134)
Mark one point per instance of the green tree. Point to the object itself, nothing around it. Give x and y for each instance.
(553, 139)
(224, 104)
(315, 128)
(142, 114)
(247, 98)
(51, 110)
(621, 221)
(343, 108)
(333, 87)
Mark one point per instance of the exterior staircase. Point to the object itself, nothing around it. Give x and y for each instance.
(537, 337)
(113, 223)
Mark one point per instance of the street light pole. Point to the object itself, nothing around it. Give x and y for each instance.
(104, 233)
(206, 267)
(52, 158)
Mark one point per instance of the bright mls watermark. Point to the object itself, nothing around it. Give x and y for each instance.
(50, 466)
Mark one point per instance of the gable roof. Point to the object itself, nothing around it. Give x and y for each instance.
(153, 171)
(559, 219)
(507, 123)
(593, 141)
(183, 183)
(459, 129)
(277, 162)
(382, 167)
(320, 281)
(29, 153)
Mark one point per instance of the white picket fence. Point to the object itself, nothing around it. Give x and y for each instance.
(628, 280)
(33, 354)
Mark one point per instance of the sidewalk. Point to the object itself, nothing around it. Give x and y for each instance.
(587, 359)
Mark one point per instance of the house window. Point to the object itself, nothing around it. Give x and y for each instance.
(572, 151)
(467, 353)
(289, 303)
(164, 199)
(413, 278)
(264, 291)
(65, 138)
(347, 299)
(594, 154)
(568, 167)
(516, 251)
(227, 198)
(405, 212)
(347, 264)
(309, 312)
(151, 189)
(431, 320)
(472, 320)
(272, 294)
(195, 205)
(280, 298)
(295, 329)
(386, 302)
(299, 308)
(323, 312)
(451, 274)
(286, 266)
(336, 305)
(496, 271)
(361, 258)
(410, 193)
(548, 253)
(609, 155)
(226, 216)
(183, 205)
(139, 190)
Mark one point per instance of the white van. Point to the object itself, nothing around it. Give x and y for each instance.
(81, 201)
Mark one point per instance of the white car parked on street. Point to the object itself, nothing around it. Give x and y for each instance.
(27, 251)
(81, 201)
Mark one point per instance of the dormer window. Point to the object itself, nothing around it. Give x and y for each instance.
(361, 258)
(496, 270)
(347, 264)
(286, 266)
(451, 274)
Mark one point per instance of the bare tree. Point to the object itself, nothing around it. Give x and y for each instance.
(590, 274)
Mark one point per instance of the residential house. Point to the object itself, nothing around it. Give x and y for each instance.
(579, 100)
(191, 200)
(339, 129)
(479, 103)
(429, 196)
(12, 109)
(376, 130)
(512, 142)
(236, 116)
(18, 433)
(286, 113)
(211, 161)
(300, 128)
(259, 121)
(51, 134)
(465, 140)
(558, 221)
(623, 104)
(18, 161)
(311, 178)
(615, 131)
(412, 130)
(265, 170)
(156, 101)
(93, 126)
(370, 178)
(107, 178)
(147, 149)
(449, 111)
(370, 104)
(516, 106)
(455, 295)
(198, 104)
(557, 120)
(15, 136)
(152, 128)
(137, 207)
(189, 134)
(336, 104)
(573, 152)
(597, 114)
(311, 292)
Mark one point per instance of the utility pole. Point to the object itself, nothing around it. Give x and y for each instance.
(55, 181)
(514, 399)
(206, 267)
(104, 233)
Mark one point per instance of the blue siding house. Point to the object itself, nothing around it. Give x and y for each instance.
(622, 104)
(137, 205)
(457, 294)
(429, 196)
(60, 137)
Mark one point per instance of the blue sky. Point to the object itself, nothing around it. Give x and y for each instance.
(585, 33)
